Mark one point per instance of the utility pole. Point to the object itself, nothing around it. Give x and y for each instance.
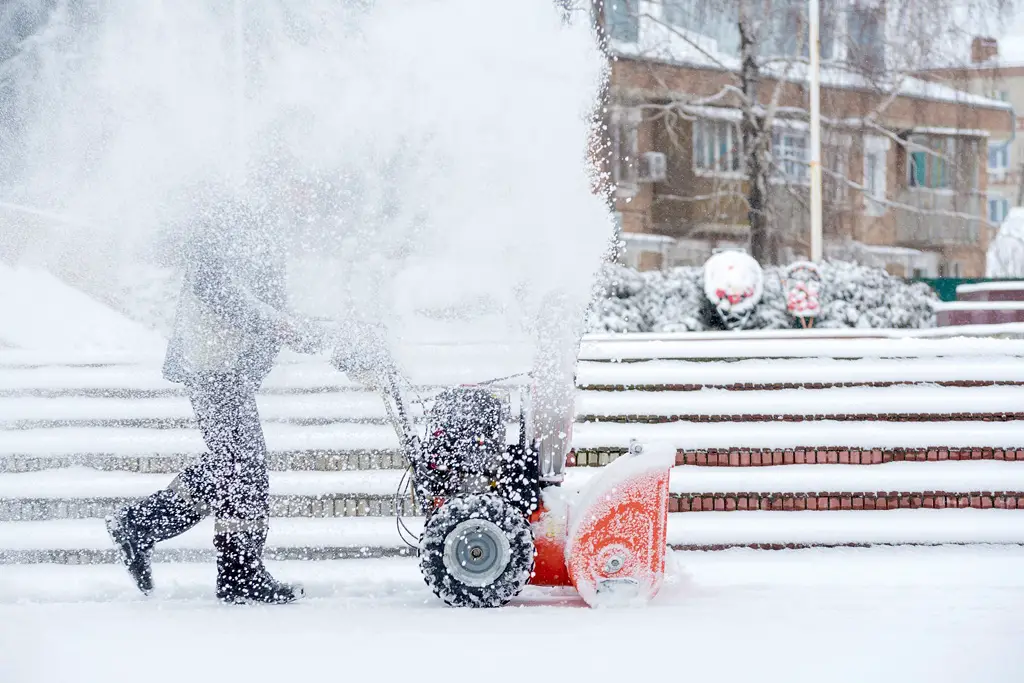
(815, 81)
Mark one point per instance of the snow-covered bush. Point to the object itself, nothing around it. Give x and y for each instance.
(673, 300)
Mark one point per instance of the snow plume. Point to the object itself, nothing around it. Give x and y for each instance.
(425, 156)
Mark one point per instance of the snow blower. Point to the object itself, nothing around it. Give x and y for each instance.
(499, 514)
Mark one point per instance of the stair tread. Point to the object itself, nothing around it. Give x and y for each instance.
(948, 476)
(705, 529)
(800, 371)
(825, 433)
(908, 400)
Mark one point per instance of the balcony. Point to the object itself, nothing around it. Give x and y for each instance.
(934, 223)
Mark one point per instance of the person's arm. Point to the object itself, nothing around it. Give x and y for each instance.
(239, 306)
(233, 302)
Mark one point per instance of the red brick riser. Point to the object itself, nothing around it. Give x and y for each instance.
(809, 455)
(881, 500)
(790, 385)
(838, 417)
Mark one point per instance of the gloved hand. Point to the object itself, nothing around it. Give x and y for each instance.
(302, 335)
(362, 354)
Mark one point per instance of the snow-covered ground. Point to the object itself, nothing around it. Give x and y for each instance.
(938, 614)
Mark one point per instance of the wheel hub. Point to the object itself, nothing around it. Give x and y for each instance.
(476, 552)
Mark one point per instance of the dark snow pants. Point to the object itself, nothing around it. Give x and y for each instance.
(231, 479)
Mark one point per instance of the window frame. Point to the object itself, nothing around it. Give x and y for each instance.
(784, 162)
(628, 17)
(625, 120)
(1002, 149)
(1003, 203)
(702, 163)
(923, 165)
(877, 187)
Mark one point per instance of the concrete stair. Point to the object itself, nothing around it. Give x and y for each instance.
(885, 440)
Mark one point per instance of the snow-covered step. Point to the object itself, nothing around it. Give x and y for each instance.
(372, 581)
(80, 493)
(79, 482)
(772, 529)
(628, 349)
(320, 461)
(954, 477)
(85, 541)
(140, 441)
(899, 402)
(322, 407)
(348, 437)
(91, 534)
(804, 435)
(86, 483)
(809, 372)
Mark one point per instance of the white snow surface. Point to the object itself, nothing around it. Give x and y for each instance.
(353, 532)
(52, 441)
(354, 406)
(915, 614)
(911, 399)
(951, 476)
(1004, 286)
(627, 348)
(82, 482)
(341, 405)
(40, 312)
(684, 528)
(796, 370)
(868, 434)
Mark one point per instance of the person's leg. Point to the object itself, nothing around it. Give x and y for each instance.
(219, 406)
(233, 482)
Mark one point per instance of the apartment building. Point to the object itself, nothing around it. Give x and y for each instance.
(1001, 77)
(905, 159)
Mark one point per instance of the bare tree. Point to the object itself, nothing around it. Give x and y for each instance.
(756, 56)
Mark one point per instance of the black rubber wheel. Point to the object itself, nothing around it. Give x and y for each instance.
(477, 551)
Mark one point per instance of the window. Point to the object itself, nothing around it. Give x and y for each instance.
(790, 151)
(876, 152)
(865, 28)
(624, 137)
(998, 156)
(786, 33)
(950, 269)
(622, 20)
(716, 147)
(718, 22)
(929, 167)
(998, 207)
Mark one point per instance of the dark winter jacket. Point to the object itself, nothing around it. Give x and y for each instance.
(232, 301)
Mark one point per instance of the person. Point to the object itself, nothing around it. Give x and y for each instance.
(230, 324)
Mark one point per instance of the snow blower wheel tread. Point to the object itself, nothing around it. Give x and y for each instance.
(485, 508)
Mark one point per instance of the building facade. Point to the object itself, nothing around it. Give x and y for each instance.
(990, 75)
(905, 168)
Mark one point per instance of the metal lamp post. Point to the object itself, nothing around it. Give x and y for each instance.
(815, 81)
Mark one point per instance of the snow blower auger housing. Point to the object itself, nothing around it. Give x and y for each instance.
(499, 514)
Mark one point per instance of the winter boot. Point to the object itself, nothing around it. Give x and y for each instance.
(136, 528)
(241, 577)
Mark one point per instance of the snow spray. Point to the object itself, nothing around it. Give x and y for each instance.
(429, 157)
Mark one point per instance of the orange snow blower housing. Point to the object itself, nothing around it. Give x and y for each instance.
(500, 516)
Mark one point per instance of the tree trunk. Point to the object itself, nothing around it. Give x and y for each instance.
(751, 130)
